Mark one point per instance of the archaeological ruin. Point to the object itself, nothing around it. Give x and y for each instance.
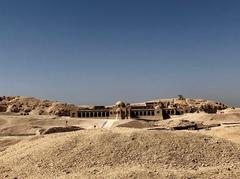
(151, 110)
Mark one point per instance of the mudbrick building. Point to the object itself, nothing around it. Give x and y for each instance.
(152, 110)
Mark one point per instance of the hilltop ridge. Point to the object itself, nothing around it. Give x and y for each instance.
(30, 105)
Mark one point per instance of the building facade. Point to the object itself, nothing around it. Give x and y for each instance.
(146, 111)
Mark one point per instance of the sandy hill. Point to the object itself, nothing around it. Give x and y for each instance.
(121, 153)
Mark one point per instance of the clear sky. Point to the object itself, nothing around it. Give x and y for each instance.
(100, 51)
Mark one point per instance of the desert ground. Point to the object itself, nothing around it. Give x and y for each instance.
(120, 148)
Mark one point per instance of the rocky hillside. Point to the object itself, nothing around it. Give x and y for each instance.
(205, 105)
(30, 105)
(121, 153)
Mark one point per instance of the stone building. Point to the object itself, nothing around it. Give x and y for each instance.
(147, 111)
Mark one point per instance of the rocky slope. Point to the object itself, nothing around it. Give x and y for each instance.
(194, 105)
(30, 105)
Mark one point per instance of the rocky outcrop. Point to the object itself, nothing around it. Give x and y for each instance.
(3, 108)
(61, 109)
(191, 105)
(33, 106)
(29, 105)
(13, 108)
(209, 108)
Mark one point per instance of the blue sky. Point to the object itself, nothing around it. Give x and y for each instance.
(97, 52)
